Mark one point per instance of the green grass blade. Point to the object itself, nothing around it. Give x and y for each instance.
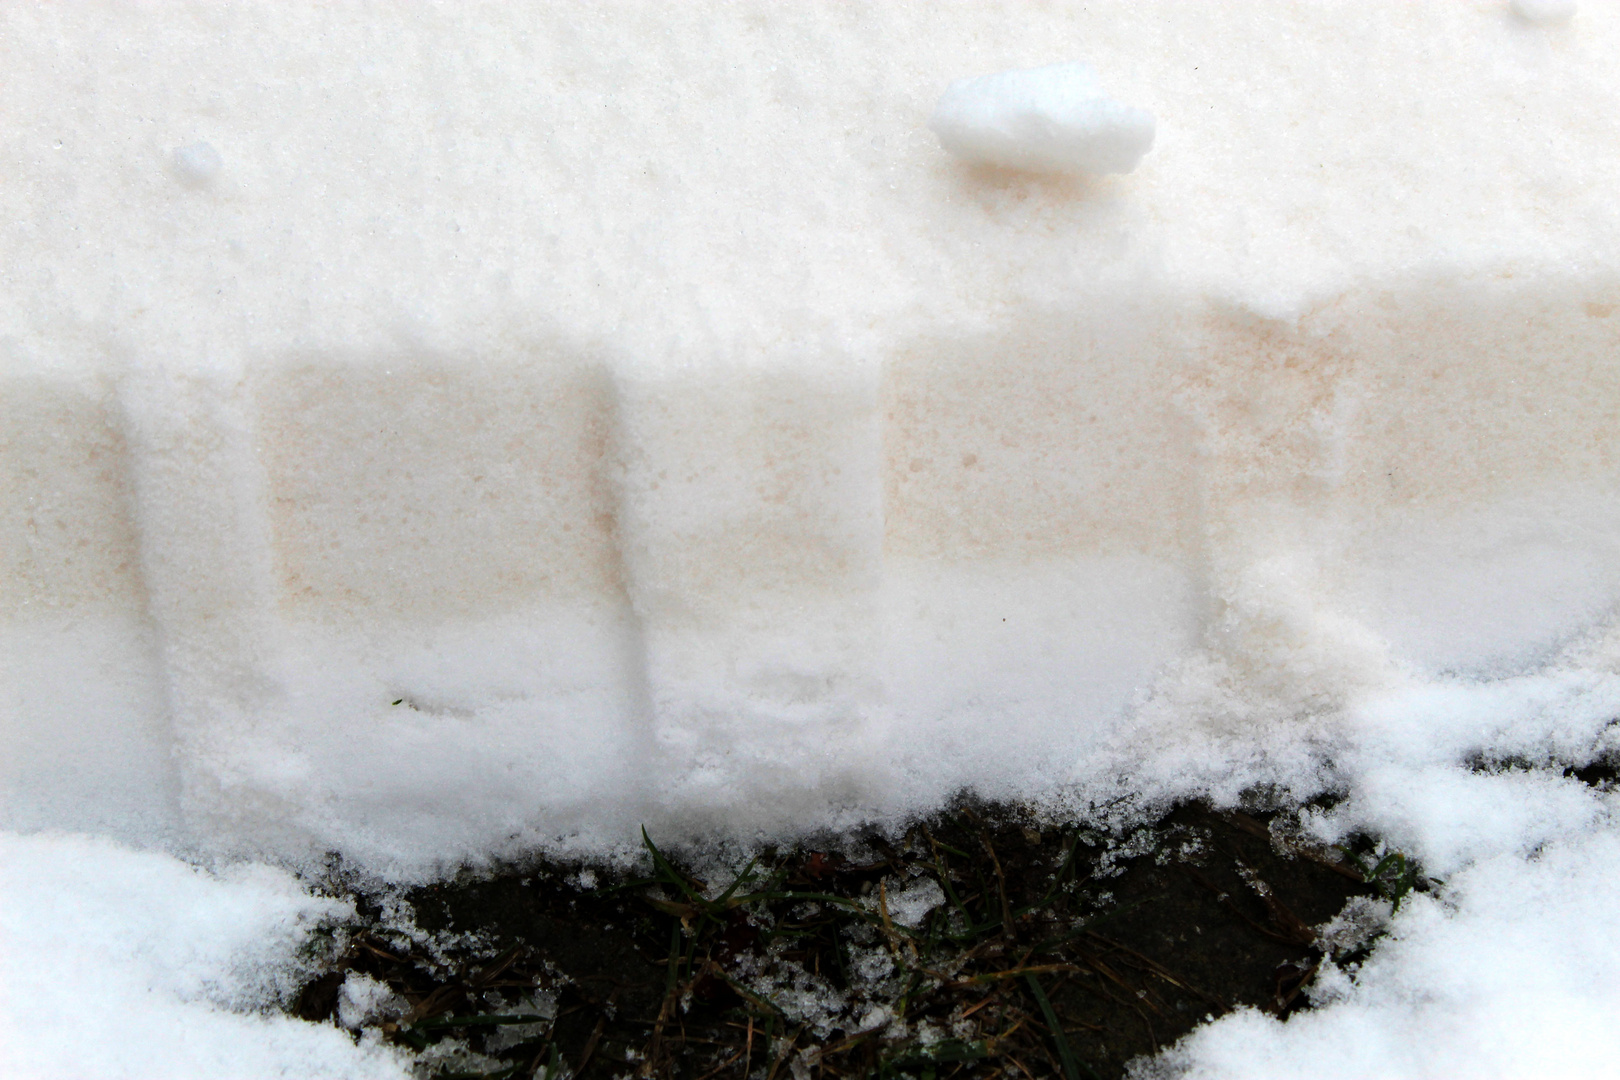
(1071, 1065)
(672, 876)
(674, 970)
(737, 882)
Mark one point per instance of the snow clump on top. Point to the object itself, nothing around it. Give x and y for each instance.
(1049, 119)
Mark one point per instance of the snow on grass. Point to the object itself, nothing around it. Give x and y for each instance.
(1509, 968)
(1510, 972)
(118, 963)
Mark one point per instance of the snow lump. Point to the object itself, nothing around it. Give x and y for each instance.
(1048, 119)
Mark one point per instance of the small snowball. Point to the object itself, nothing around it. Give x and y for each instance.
(196, 165)
(1050, 119)
(1544, 11)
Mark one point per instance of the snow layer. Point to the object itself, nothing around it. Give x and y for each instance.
(116, 963)
(432, 434)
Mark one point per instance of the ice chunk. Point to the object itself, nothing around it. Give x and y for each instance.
(363, 998)
(1049, 119)
(910, 904)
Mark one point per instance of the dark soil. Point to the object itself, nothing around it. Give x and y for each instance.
(1057, 952)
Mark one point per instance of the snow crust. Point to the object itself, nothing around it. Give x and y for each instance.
(1051, 119)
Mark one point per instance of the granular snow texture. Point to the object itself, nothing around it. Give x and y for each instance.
(123, 964)
(433, 434)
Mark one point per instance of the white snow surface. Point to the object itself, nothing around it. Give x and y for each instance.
(434, 433)
(1511, 972)
(124, 964)
(1546, 12)
(1050, 119)
(115, 962)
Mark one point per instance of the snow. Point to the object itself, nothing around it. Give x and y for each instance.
(910, 905)
(196, 164)
(362, 998)
(427, 437)
(117, 963)
(1544, 11)
(563, 436)
(1508, 968)
(1050, 119)
(1510, 974)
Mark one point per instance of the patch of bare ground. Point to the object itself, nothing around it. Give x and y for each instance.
(980, 943)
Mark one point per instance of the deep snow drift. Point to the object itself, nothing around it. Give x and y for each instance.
(427, 436)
